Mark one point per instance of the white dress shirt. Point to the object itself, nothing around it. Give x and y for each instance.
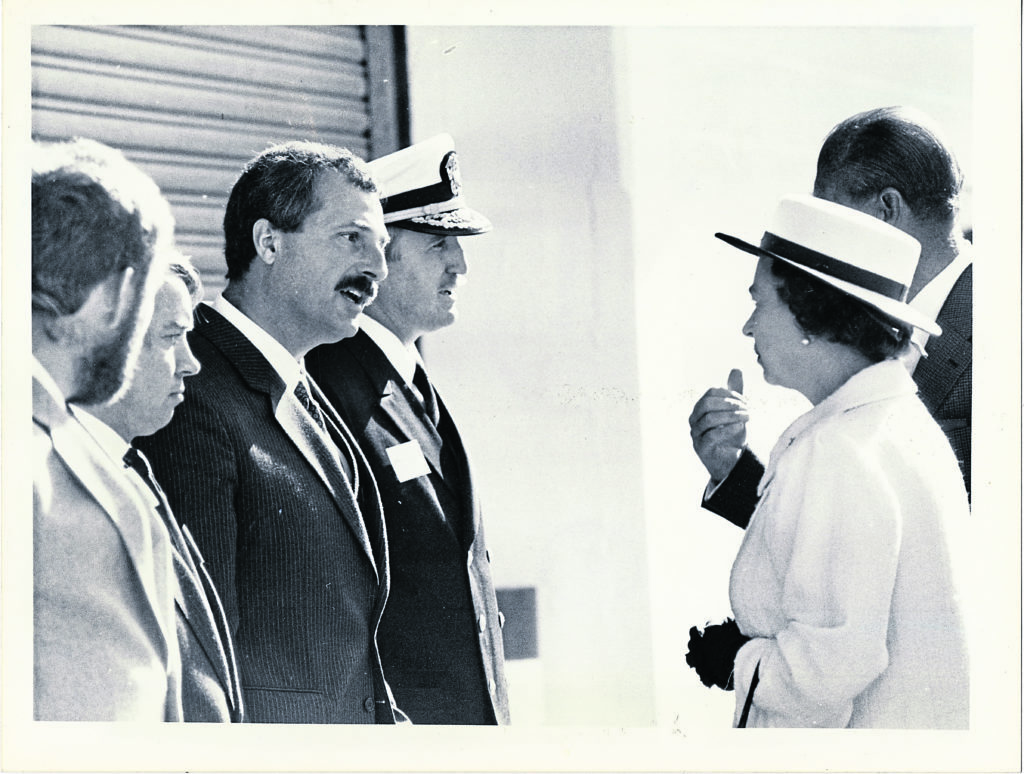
(115, 447)
(287, 367)
(403, 358)
(291, 371)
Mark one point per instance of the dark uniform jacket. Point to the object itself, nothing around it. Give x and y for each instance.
(440, 637)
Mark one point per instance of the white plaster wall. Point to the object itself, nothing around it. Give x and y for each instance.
(541, 369)
(601, 307)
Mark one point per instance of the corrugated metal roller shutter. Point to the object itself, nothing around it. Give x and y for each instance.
(191, 105)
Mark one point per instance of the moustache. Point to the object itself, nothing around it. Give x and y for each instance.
(359, 284)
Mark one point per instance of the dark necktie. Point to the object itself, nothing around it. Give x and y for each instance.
(340, 446)
(422, 384)
(309, 404)
(135, 460)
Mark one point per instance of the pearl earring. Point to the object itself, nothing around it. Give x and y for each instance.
(805, 340)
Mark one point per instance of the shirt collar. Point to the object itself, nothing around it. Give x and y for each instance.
(403, 358)
(104, 435)
(113, 445)
(287, 367)
(47, 382)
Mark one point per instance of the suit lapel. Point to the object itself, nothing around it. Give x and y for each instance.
(197, 610)
(949, 355)
(196, 603)
(111, 488)
(383, 395)
(296, 424)
(220, 623)
(399, 413)
(403, 416)
(306, 436)
(454, 447)
(372, 515)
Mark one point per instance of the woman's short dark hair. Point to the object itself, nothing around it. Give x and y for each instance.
(823, 310)
(892, 147)
(280, 185)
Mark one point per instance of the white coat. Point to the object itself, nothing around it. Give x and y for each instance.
(845, 577)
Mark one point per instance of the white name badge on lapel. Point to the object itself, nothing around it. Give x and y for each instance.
(408, 461)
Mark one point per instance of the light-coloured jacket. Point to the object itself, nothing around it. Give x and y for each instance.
(104, 639)
(846, 577)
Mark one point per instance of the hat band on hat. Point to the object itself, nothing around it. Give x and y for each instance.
(826, 264)
(435, 194)
(431, 196)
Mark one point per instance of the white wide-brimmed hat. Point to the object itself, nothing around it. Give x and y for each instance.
(421, 189)
(850, 250)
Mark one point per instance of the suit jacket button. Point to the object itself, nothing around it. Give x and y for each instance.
(482, 622)
(368, 704)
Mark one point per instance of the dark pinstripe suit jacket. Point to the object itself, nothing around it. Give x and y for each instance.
(301, 566)
(944, 385)
(440, 637)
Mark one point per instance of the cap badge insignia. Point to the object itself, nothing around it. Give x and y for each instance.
(450, 172)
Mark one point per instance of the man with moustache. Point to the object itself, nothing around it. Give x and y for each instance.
(440, 637)
(891, 163)
(211, 690)
(255, 461)
(104, 587)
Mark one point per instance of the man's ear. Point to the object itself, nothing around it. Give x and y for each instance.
(266, 239)
(891, 207)
(126, 288)
(106, 306)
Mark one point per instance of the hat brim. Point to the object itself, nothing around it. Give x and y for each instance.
(459, 222)
(898, 310)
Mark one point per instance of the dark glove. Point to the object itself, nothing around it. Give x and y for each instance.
(712, 653)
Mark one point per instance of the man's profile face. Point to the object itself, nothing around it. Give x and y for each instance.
(420, 292)
(327, 271)
(164, 362)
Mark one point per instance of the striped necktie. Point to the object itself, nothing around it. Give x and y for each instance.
(309, 404)
(338, 445)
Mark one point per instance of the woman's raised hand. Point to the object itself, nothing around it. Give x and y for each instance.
(718, 426)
